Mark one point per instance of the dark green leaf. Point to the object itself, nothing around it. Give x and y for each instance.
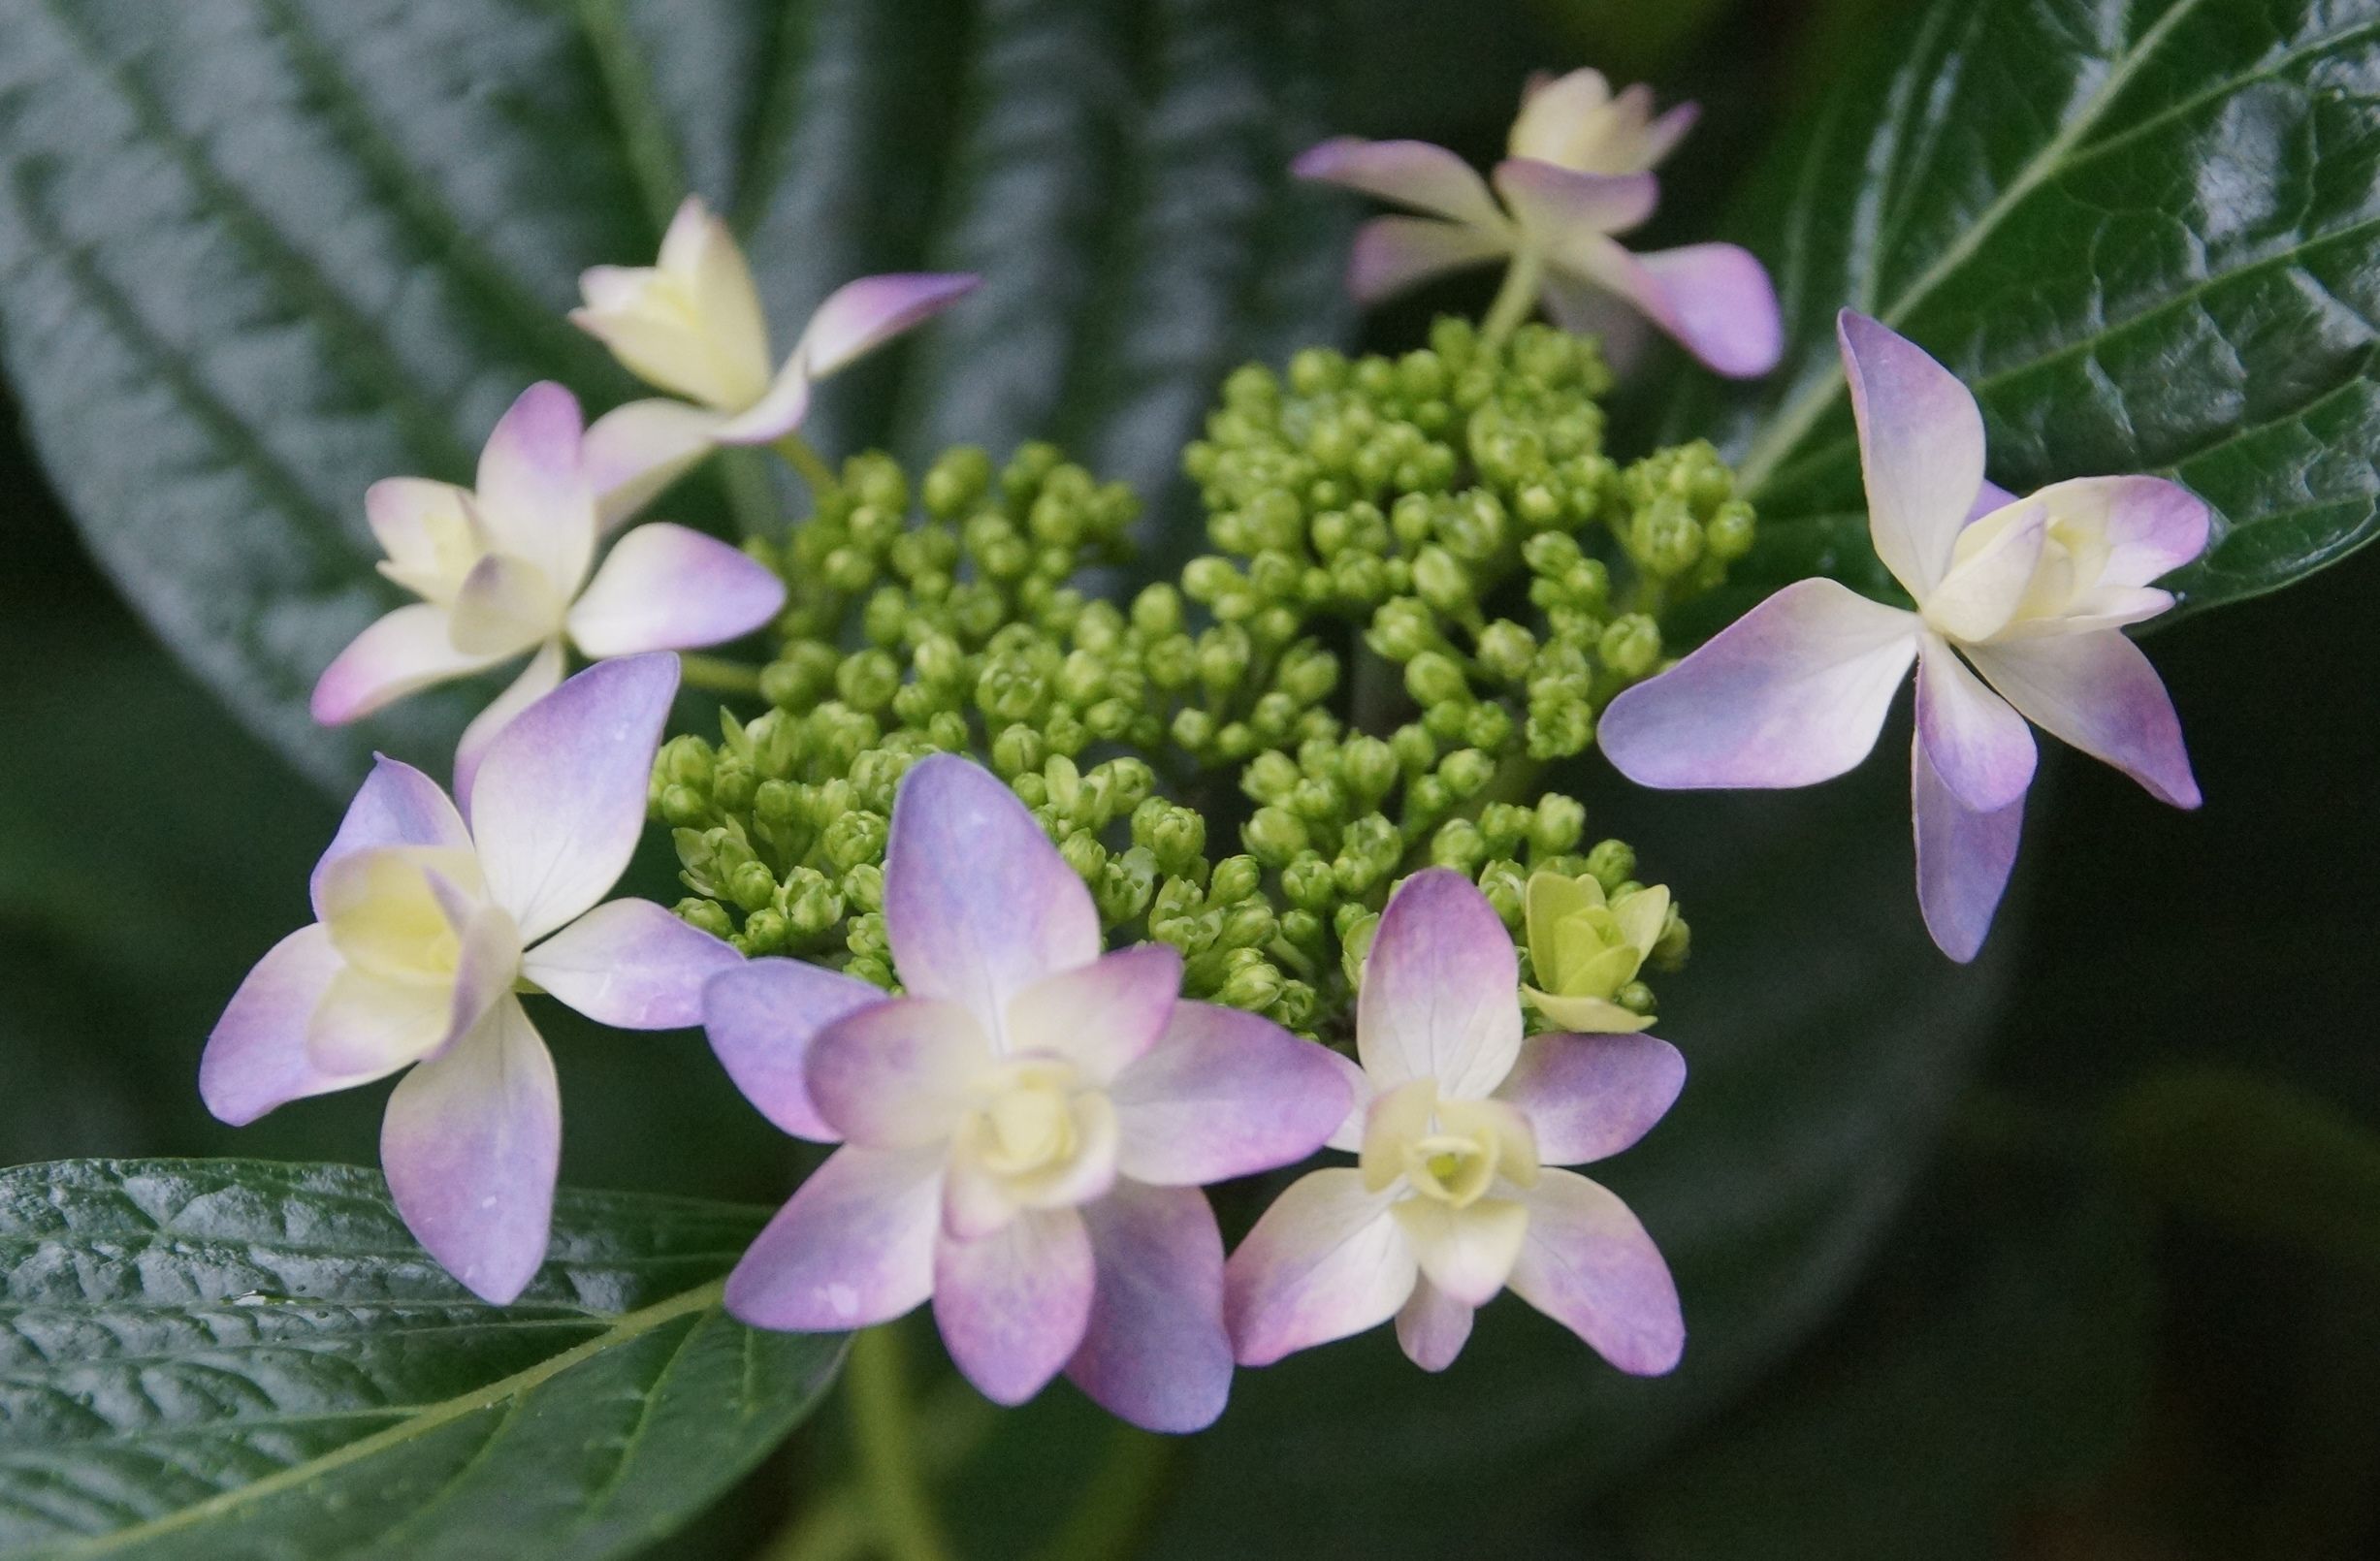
(2145, 232)
(2262, 1160)
(251, 1361)
(1996, 1364)
(255, 254)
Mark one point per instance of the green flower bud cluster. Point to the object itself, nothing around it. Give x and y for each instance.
(1456, 504)
(1430, 579)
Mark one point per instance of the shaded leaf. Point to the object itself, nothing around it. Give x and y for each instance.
(255, 254)
(243, 1360)
(2148, 235)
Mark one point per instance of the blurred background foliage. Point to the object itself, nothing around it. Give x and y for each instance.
(2127, 1311)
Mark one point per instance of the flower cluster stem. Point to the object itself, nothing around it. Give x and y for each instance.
(809, 465)
(876, 1390)
(1515, 298)
(718, 675)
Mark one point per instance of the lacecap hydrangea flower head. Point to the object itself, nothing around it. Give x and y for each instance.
(428, 929)
(1025, 1132)
(2031, 595)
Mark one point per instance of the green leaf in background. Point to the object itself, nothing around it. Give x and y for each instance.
(251, 1361)
(1996, 1364)
(255, 254)
(2145, 232)
(2258, 1158)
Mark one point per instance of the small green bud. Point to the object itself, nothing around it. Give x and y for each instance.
(1459, 845)
(1434, 678)
(1466, 771)
(1635, 997)
(1508, 650)
(765, 932)
(1556, 826)
(1631, 645)
(1253, 986)
(1402, 629)
(1440, 581)
(1234, 879)
(1274, 836)
(810, 903)
(863, 886)
(751, 885)
(854, 837)
(1307, 881)
(1612, 863)
(1507, 888)
(1355, 943)
(706, 915)
(1126, 886)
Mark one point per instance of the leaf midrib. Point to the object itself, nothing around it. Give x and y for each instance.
(1794, 420)
(503, 1391)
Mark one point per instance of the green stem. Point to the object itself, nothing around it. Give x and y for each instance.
(1515, 298)
(718, 675)
(812, 467)
(876, 1395)
(836, 1524)
(1117, 1501)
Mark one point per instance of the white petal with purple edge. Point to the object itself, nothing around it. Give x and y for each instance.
(897, 1074)
(1555, 206)
(1921, 449)
(256, 1056)
(861, 316)
(1348, 1136)
(1103, 1016)
(664, 588)
(1326, 1261)
(634, 451)
(2098, 693)
(2153, 527)
(399, 654)
(778, 412)
(1154, 1352)
(1014, 1306)
(1440, 998)
(1981, 748)
(978, 904)
(1963, 858)
(1588, 1264)
(558, 801)
(542, 677)
(763, 1019)
(1410, 172)
(471, 1143)
(854, 1247)
(1715, 299)
(395, 806)
(1792, 692)
(1587, 1097)
(630, 963)
(1433, 1327)
(1390, 254)
(534, 496)
(1225, 1094)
